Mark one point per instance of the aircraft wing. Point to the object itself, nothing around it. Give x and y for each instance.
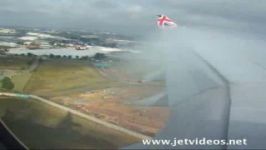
(216, 88)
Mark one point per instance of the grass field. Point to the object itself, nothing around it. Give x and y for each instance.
(14, 62)
(55, 76)
(106, 94)
(16, 67)
(20, 80)
(133, 70)
(42, 126)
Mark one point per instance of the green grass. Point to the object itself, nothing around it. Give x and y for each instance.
(15, 67)
(137, 69)
(62, 75)
(14, 62)
(40, 125)
(20, 80)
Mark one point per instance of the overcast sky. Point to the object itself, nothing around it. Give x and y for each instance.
(134, 16)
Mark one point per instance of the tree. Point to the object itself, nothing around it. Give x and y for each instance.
(7, 83)
(58, 56)
(99, 56)
(84, 58)
(30, 54)
(51, 56)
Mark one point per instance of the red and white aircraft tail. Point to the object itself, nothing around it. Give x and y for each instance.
(163, 21)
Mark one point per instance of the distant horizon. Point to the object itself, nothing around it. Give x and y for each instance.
(136, 18)
(57, 28)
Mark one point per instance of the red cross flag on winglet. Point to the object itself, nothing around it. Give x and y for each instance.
(165, 22)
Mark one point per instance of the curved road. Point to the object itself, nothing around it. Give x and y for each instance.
(80, 114)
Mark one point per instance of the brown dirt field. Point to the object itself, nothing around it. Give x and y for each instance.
(110, 105)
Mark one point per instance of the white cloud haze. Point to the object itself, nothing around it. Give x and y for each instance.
(134, 16)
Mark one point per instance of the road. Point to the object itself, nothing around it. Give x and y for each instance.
(80, 114)
(35, 64)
